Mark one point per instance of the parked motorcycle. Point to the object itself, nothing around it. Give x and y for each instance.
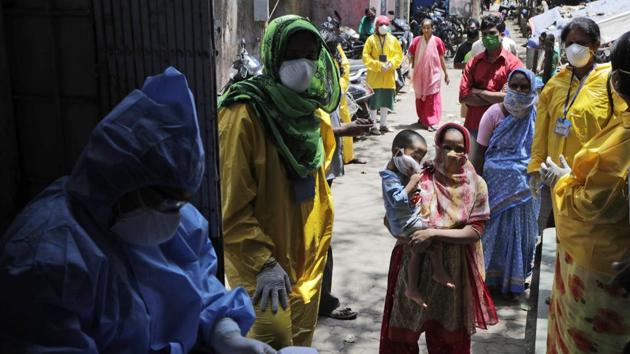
(448, 28)
(244, 67)
(402, 31)
(359, 92)
(348, 38)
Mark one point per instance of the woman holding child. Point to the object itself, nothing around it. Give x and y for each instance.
(453, 207)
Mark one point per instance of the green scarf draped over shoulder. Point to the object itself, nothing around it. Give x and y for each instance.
(289, 117)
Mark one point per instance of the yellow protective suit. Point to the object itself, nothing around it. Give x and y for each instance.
(376, 78)
(261, 219)
(344, 111)
(589, 114)
(591, 217)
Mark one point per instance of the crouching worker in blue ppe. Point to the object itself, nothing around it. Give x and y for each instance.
(113, 258)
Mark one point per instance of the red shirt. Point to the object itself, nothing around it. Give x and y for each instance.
(482, 74)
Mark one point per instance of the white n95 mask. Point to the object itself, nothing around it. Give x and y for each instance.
(383, 29)
(297, 74)
(578, 55)
(146, 227)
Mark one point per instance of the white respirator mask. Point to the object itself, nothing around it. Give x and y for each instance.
(297, 74)
(578, 55)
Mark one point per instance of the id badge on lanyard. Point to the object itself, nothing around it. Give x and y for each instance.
(383, 57)
(563, 125)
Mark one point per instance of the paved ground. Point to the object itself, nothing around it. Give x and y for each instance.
(362, 248)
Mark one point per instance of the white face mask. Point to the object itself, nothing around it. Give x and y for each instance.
(406, 164)
(578, 55)
(297, 74)
(146, 227)
(383, 30)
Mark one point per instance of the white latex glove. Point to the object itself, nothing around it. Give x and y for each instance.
(227, 339)
(551, 172)
(384, 67)
(389, 65)
(534, 184)
(272, 282)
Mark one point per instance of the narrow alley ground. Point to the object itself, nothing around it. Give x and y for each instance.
(362, 246)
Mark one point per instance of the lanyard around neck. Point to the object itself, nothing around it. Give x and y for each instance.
(382, 42)
(568, 105)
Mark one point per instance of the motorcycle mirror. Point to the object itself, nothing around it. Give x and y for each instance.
(337, 15)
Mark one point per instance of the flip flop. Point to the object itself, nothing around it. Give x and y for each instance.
(431, 128)
(342, 314)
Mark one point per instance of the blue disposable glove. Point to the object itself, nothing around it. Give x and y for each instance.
(227, 339)
(551, 173)
(272, 282)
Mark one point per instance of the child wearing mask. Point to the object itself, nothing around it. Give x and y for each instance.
(400, 181)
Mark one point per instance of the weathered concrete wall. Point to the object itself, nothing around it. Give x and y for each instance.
(234, 19)
(350, 11)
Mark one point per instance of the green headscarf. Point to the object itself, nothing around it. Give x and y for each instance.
(289, 117)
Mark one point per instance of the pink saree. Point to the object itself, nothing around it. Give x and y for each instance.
(426, 78)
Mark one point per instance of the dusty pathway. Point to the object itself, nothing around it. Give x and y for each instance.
(362, 247)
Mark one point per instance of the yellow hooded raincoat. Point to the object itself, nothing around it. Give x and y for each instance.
(376, 78)
(344, 110)
(592, 220)
(589, 114)
(586, 312)
(261, 219)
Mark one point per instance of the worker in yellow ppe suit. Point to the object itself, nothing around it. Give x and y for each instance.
(275, 144)
(382, 55)
(572, 108)
(344, 110)
(590, 307)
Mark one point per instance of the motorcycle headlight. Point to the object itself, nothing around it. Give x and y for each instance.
(232, 73)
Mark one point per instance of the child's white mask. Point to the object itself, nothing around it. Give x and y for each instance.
(406, 164)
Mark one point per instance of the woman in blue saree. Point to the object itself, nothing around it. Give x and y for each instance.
(505, 137)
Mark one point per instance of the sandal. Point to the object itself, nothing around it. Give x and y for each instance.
(431, 128)
(342, 314)
(357, 161)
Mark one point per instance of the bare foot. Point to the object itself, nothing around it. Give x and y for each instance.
(415, 297)
(444, 280)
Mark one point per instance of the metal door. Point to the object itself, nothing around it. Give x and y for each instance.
(65, 63)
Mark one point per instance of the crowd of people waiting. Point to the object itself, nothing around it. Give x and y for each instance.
(114, 258)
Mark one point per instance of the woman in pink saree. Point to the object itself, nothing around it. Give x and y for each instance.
(427, 58)
(454, 206)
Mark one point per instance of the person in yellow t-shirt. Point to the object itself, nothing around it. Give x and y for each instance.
(572, 107)
(382, 55)
(275, 143)
(590, 306)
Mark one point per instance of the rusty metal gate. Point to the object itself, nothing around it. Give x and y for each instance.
(65, 63)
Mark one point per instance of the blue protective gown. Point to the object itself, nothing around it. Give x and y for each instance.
(69, 285)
